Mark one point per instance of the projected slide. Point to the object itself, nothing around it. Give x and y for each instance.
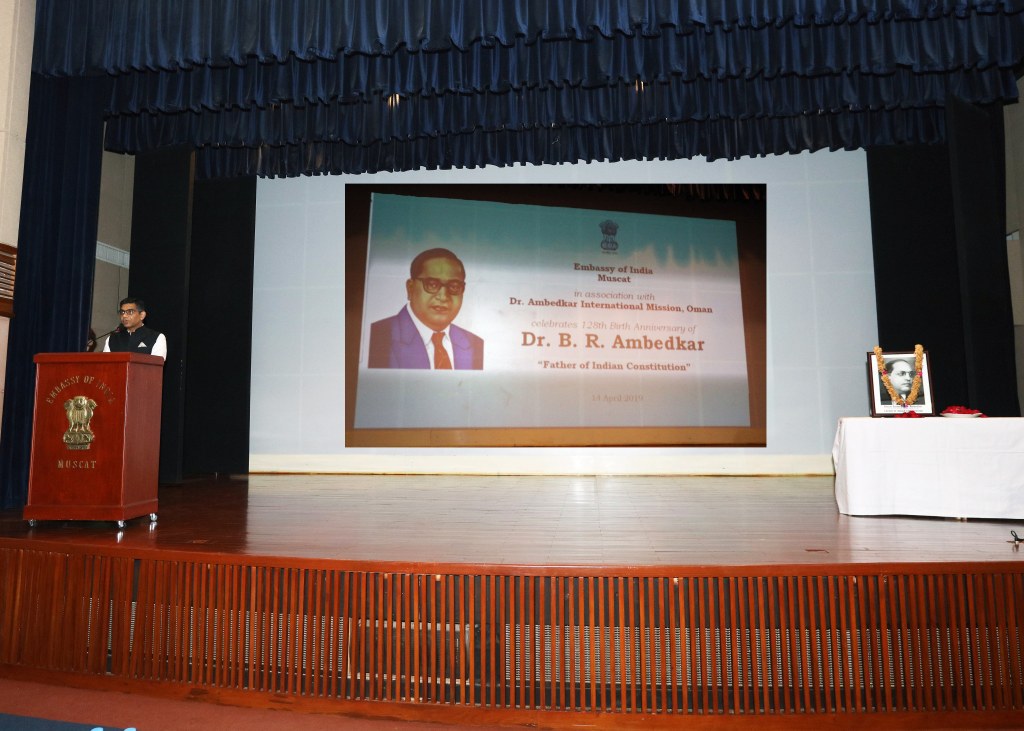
(553, 317)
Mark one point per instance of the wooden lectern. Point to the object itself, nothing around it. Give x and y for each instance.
(95, 437)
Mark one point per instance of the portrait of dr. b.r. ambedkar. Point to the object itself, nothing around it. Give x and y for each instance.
(422, 335)
(901, 377)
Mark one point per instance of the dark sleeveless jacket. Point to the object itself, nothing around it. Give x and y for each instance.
(140, 341)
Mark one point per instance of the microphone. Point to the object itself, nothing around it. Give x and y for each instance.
(92, 342)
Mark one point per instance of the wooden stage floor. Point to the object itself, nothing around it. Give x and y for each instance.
(548, 602)
(515, 522)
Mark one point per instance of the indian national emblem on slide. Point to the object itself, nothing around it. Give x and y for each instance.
(609, 229)
(79, 410)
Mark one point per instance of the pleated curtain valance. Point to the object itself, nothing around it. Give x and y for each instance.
(289, 87)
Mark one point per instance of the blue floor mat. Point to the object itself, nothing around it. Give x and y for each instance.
(26, 723)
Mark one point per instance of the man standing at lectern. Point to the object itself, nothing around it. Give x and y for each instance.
(133, 336)
(422, 335)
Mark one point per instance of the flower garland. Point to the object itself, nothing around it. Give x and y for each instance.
(915, 387)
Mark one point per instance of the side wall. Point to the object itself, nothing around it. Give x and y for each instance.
(17, 23)
(1013, 116)
(821, 322)
(114, 234)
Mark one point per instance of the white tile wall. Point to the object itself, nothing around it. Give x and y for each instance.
(821, 320)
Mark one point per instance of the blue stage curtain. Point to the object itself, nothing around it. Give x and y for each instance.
(658, 141)
(56, 252)
(116, 36)
(374, 119)
(277, 87)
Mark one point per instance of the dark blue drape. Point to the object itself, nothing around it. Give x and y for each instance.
(56, 252)
(555, 145)
(286, 87)
(117, 36)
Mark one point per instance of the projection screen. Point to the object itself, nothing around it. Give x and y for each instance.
(597, 316)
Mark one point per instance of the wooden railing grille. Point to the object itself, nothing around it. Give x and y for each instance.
(8, 267)
(637, 645)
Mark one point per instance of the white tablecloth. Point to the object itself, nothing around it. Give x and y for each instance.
(958, 468)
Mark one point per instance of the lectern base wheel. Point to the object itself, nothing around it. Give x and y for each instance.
(32, 522)
(120, 524)
(152, 517)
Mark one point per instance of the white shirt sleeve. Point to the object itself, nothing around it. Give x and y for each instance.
(160, 346)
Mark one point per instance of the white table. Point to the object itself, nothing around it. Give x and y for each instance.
(938, 466)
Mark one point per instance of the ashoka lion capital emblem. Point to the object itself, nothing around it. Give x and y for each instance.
(609, 229)
(79, 410)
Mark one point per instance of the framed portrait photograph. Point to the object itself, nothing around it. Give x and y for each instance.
(904, 390)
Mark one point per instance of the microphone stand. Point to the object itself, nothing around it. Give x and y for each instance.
(97, 339)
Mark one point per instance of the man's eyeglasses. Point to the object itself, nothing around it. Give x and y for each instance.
(126, 312)
(901, 374)
(431, 285)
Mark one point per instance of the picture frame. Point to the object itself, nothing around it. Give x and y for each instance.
(898, 364)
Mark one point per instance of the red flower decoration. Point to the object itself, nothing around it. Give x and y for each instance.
(959, 410)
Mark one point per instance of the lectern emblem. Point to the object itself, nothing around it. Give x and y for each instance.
(79, 410)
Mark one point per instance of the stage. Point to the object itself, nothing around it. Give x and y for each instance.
(545, 601)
